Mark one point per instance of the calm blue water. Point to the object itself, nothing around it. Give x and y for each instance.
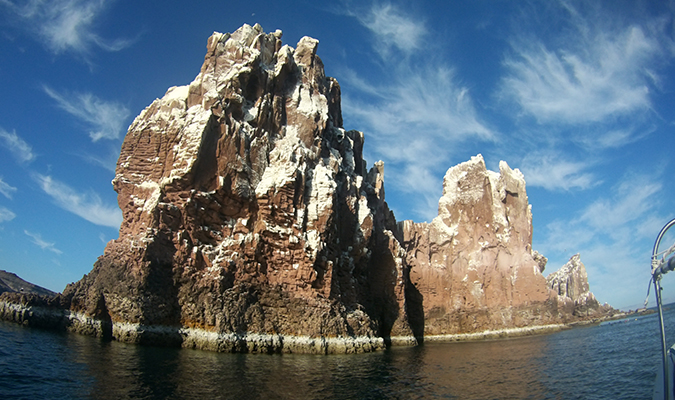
(616, 361)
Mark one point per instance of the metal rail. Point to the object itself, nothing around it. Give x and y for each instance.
(660, 266)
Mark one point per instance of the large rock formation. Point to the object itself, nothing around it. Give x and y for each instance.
(570, 284)
(252, 224)
(249, 215)
(473, 264)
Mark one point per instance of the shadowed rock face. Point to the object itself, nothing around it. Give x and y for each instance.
(473, 264)
(248, 208)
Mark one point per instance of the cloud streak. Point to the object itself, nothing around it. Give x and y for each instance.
(88, 206)
(6, 189)
(610, 233)
(107, 119)
(44, 245)
(65, 25)
(392, 29)
(21, 150)
(553, 172)
(418, 108)
(409, 120)
(428, 102)
(598, 74)
(633, 198)
(6, 214)
(586, 91)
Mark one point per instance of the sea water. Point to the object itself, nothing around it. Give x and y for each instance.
(615, 360)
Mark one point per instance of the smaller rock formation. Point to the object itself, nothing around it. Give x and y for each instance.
(473, 264)
(10, 282)
(570, 283)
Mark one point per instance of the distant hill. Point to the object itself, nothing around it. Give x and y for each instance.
(10, 282)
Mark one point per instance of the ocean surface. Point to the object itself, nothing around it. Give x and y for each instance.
(615, 360)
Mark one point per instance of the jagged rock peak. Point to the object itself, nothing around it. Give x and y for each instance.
(570, 283)
(473, 264)
(248, 210)
(495, 202)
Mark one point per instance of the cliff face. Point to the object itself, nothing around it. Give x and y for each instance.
(248, 209)
(251, 223)
(570, 284)
(473, 264)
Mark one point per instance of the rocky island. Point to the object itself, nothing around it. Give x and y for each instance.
(252, 223)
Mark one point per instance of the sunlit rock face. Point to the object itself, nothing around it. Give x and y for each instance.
(473, 264)
(570, 284)
(250, 220)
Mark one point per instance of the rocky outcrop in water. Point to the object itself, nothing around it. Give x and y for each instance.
(473, 264)
(570, 284)
(252, 223)
(250, 217)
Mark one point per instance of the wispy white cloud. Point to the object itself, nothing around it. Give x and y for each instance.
(108, 162)
(19, 148)
(44, 245)
(601, 73)
(627, 209)
(86, 205)
(614, 138)
(6, 189)
(582, 92)
(393, 28)
(417, 109)
(428, 101)
(107, 119)
(610, 234)
(65, 25)
(409, 120)
(633, 198)
(554, 172)
(6, 214)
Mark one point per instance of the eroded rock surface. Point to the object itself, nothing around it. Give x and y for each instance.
(473, 264)
(248, 209)
(570, 284)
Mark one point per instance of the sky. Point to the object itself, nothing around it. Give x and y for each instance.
(578, 95)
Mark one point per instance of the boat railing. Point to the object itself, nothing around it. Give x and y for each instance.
(662, 263)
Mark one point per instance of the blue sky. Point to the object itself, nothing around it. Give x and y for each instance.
(580, 96)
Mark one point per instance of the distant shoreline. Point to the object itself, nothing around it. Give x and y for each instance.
(506, 333)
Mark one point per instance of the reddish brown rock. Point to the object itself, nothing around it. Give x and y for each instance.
(252, 224)
(248, 211)
(570, 284)
(473, 264)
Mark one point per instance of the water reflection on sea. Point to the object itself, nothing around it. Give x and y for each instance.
(616, 361)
